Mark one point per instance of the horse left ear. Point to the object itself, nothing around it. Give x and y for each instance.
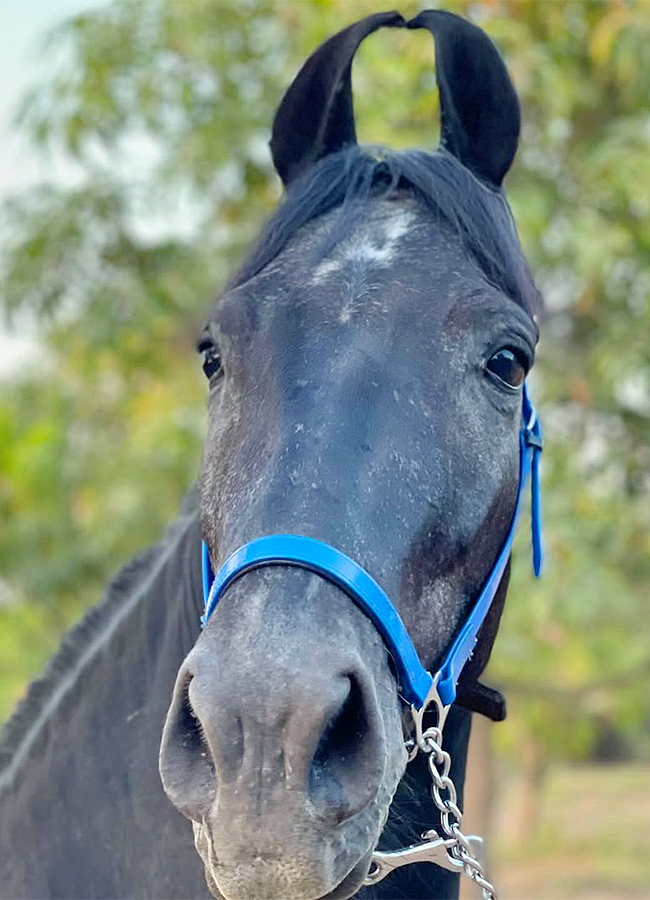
(316, 116)
(479, 110)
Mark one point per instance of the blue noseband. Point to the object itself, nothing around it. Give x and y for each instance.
(307, 553)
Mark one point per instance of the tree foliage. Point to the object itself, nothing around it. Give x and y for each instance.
(165, 109)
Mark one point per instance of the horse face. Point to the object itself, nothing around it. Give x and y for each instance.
(369, 396)
(356, 405)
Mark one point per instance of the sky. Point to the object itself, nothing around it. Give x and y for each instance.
(23, 25)
(24, 62)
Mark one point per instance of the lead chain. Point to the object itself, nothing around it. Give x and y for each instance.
(445, 797)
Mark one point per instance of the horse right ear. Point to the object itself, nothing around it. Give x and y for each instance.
(316, 115)
(479, 110)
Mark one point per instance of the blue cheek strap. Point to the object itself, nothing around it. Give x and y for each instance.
(415, 682)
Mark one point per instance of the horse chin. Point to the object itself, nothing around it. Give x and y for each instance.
(273, 880)
(352, 882)
(348, 887)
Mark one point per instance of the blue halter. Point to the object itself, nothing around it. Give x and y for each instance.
(415, 682)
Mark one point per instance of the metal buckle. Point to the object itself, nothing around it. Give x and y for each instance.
(533, 440)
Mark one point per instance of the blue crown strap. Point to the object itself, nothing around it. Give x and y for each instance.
(530, 445)
(308, 553)
(536, 517)
(532, 435)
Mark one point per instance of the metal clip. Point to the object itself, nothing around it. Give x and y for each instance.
(417, 715)
(435, 850)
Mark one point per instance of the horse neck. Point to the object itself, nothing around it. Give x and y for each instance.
(414, 812)
(90, 732)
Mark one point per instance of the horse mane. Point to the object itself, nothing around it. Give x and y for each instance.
(91, 628)
(479, 214)
(75, 642)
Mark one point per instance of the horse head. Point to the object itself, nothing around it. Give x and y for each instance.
(366, 369)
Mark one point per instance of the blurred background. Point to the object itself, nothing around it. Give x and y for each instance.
(134, 172)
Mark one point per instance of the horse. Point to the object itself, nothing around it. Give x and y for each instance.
(363, 467)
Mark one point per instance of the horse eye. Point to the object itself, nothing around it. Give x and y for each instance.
(508, 367)
(211, 362)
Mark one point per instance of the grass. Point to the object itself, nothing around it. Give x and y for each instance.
(592, 839)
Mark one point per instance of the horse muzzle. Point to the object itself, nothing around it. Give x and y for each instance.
(287, 770)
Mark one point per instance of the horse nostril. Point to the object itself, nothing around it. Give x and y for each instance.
(188, 724)
(343, 729)
(186, 764)
(343, 776)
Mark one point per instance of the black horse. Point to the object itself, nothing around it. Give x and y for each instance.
(366, 368)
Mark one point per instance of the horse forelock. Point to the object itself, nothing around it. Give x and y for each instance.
(352, 178)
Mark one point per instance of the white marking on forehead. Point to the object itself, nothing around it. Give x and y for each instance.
(360, 248)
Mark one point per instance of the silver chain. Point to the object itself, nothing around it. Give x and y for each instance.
(445, 797)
